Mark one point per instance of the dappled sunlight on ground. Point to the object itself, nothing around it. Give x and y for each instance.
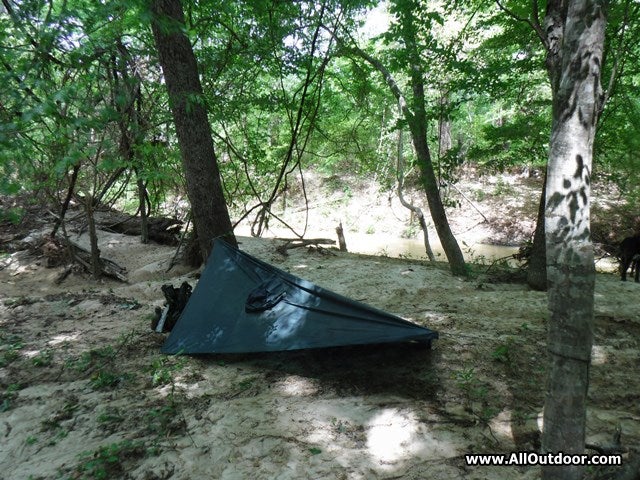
(80, 369)
(394, 435)
(501, 424)
(14, 266)
(61, 339)
(598, 355)
(295, 385)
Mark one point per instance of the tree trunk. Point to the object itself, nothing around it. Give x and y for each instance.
(416, 117)
(537, 271)
(415, 210)
(418, 128)
(67, 200)
(570, 259)
(438, 214)
(96, 268)
(127, 102)
(144, 214)
(204, 186)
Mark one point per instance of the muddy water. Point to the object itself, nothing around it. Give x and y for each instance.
(414, 248)
(386, 245)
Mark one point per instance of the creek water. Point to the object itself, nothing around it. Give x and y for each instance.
(414, 248)
(477, 252)
(390, 246)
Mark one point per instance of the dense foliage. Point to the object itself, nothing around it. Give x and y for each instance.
(83, 92)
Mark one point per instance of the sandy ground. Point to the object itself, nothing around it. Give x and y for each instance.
(85, 393)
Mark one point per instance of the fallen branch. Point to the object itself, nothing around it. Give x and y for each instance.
(470, 203)
(108, 268)
(302, 242)
(163, 230)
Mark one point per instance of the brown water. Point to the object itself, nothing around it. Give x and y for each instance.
(383, 245)
(414, 248)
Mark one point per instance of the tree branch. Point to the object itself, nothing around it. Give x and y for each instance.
(377, 65)
(616, 69)
(38, 49)
(535, 24)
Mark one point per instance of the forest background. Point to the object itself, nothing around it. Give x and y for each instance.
(84, 101)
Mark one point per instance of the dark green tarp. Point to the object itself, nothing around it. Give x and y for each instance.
(242, 304)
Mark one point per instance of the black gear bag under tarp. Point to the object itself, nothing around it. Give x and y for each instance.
(242, 305)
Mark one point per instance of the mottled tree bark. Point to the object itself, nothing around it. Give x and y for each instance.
(577, 54)
(204, 186)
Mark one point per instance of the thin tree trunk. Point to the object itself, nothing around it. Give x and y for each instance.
(204, 185)
(417, 121)
(570, 259)
(438, 213)
(537, 271)
(444, 131)
(418, 127)
(93, 238)
(416, 210)
(131, 134)
(144, 214)
(67, 200)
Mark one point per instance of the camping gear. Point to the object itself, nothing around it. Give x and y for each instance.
(176, 299)
(242, 304)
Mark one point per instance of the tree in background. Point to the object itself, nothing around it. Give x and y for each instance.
(284, 104)
(82, 105)
(413, 24)
(270, 70)
(411, 17)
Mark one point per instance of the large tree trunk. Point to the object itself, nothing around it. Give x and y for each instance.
(570, 262)
(204, 186)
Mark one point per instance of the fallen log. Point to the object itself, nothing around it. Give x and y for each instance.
(302, 242)
(108, 268)
(163, 230)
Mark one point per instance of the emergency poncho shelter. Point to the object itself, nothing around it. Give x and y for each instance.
(242, 304)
